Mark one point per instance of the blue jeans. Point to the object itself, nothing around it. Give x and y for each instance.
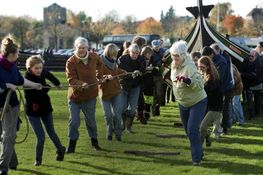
(236, 110)
(88, 108)
(112, 113)
(192, 118)
(129, 100)
(36, 124)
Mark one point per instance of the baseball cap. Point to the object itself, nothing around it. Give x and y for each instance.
(156, 43)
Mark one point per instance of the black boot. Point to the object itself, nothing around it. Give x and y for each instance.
(71, 146)
(141, 117)
(156, 110)
(147, 110)
(60, 154)
(95, 144)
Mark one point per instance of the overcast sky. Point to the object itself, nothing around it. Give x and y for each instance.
(141, 9)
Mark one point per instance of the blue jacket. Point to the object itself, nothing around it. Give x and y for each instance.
(224, 73)
(12, 76)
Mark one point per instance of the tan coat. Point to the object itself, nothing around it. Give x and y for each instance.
(78, 73)
(238, 87)
(112, 87)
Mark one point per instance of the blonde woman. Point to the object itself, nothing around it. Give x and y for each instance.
(188, 83)
(110, 92)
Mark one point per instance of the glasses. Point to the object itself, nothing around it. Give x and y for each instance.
(202, 67)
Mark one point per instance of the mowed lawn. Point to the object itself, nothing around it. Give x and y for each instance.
(164, 147)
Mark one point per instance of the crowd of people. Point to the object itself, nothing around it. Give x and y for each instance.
(130, 84)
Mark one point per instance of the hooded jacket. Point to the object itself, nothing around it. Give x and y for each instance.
(187, 95)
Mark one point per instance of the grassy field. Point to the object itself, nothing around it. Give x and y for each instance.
(166, 148)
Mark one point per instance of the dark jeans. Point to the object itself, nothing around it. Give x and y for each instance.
(258, 98)
(192, 118)
(226, 102)
(36, 124)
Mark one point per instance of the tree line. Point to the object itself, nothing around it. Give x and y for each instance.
(29, 31)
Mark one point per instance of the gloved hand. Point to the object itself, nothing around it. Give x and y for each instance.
(136, 73)
(185, 80)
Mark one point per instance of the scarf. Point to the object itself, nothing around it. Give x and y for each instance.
(83, 59)
(110, 63)
(5, 63)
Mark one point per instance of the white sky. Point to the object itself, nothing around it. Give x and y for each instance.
(141, 9)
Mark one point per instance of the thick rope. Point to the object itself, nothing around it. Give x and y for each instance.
(21, 99)
(25, 115)
(5, 109)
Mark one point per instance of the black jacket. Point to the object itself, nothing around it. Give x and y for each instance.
(126, 63)
(252, 73)
(38, 101)
(214, 93)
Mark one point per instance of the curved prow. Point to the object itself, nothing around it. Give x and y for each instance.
(195, 11)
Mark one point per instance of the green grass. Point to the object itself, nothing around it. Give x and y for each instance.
(240, 152)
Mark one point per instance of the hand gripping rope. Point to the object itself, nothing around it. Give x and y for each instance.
(21, 99)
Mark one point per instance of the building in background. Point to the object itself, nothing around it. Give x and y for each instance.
(58, 33)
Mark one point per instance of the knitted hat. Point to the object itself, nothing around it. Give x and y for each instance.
(179, 47)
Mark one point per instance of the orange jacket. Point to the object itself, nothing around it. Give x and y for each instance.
(78, 73)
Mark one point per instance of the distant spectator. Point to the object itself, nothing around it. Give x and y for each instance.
(195, 57)
(124, 49)
(259, 48)
(252, 77)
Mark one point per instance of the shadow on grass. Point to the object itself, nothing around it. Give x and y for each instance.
(150, 153)
(237, 153)
(168, 136)
(242, 141)
(143, 158)
(233, 168)
(100, 168)
(29, 171)
(74, 170)
(156, 145)
(246, 132)
(160, 125)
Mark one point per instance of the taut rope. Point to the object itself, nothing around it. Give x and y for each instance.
(6, 105)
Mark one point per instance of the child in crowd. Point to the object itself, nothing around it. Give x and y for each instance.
(38, 107)
(214, 98)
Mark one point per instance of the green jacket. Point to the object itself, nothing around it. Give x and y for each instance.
(187, 95)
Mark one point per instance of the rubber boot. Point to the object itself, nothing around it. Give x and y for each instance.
(141, 117)
(71, 146)
(95, 144)
(156, 110)
(147, 110)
